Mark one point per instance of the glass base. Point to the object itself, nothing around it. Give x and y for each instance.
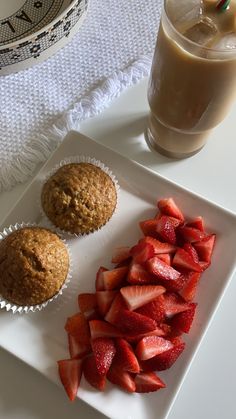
(173, 143)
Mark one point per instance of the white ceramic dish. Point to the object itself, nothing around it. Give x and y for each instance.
(31, 31)
(39, 338)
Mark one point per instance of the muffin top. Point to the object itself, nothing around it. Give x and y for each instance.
(34, 263)
(79, 198)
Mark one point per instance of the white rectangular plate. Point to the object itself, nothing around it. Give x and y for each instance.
(39, 338)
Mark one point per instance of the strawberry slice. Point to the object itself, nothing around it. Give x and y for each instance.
(87, 302)
(191, 251)
(99, 285)
(168, 206)
(158, 246)
(161, 270)
(138, 275)
(165, 230)
(154, 309)
(165, 360)
(182, 322)
(70, 374)
(136, 296)
(141, 252)
(104, 300)
(125, 356)
(205, 247)
(76, 348)
(147, 382)
(120, 254)
(204, 265)
(165, 257)
(99, 329)
(163, 330)
(174, 304)
(121, 378)
(197, 223)
(78, 326)
(191, 234)
(104, 351)
(148, 227)
(189, 289)
(135, 323)
(151, 346)
(183, 259)
(117, 305)
(92, 375)
(113, 279)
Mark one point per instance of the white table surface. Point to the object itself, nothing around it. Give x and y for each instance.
(209, 389)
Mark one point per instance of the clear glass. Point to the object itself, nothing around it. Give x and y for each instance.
(191, 89)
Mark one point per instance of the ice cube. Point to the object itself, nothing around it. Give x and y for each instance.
(203, 32)
(183, 11)
(227, 42)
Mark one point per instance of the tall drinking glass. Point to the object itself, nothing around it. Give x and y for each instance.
(193, 77)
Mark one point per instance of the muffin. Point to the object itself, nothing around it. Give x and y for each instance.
(34, 263)
(79, 198)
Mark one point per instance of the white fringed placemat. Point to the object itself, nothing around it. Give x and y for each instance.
(112, 51)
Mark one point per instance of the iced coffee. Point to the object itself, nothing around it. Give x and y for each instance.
(193, 76)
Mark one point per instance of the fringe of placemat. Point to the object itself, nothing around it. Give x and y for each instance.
(24, 165)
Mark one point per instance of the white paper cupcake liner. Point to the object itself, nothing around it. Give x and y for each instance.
(15, 308)
(79, 159)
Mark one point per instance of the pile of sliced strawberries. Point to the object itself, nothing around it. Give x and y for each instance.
(133, 324)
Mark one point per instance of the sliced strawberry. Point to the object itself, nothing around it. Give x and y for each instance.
(161, 270)
(99, 285)
(135, 323)
(154, 309)
(70, 374)
(92, 375)
(191, 234)
(158, 246)
(92, 315)
(183, 259)
(99, 329)
(173, 285)
(174, 304)
(166, 359)
(120, 254)
(77, 349)
(197, 223)
(165, 257)
(205, 247)
(204, 265)
(87, 302)
(182, 322)
(151, 346)
(113, 279)
(138, 275)
(126, 357)
(121, 378)
(141, 252)
(78, 326)
(147, 382)
(165, 230)
(191, 251)
(190, 287)
(163, 330)
(168, 206)
(104, 351)
(117, 305)
(148, 227)
(137, 295)
(104, 300)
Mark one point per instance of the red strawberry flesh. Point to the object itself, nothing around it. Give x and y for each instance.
(70, 374)
(147, 382)
(151, 346)
(104, 351)
(136, 296)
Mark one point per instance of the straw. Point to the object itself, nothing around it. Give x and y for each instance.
(223, 5)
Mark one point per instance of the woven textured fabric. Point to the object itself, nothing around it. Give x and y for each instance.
(111, 51)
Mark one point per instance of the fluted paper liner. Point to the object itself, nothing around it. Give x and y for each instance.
(15, 308)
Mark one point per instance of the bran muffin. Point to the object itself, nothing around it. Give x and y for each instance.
(79, 198)
(34, 264)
